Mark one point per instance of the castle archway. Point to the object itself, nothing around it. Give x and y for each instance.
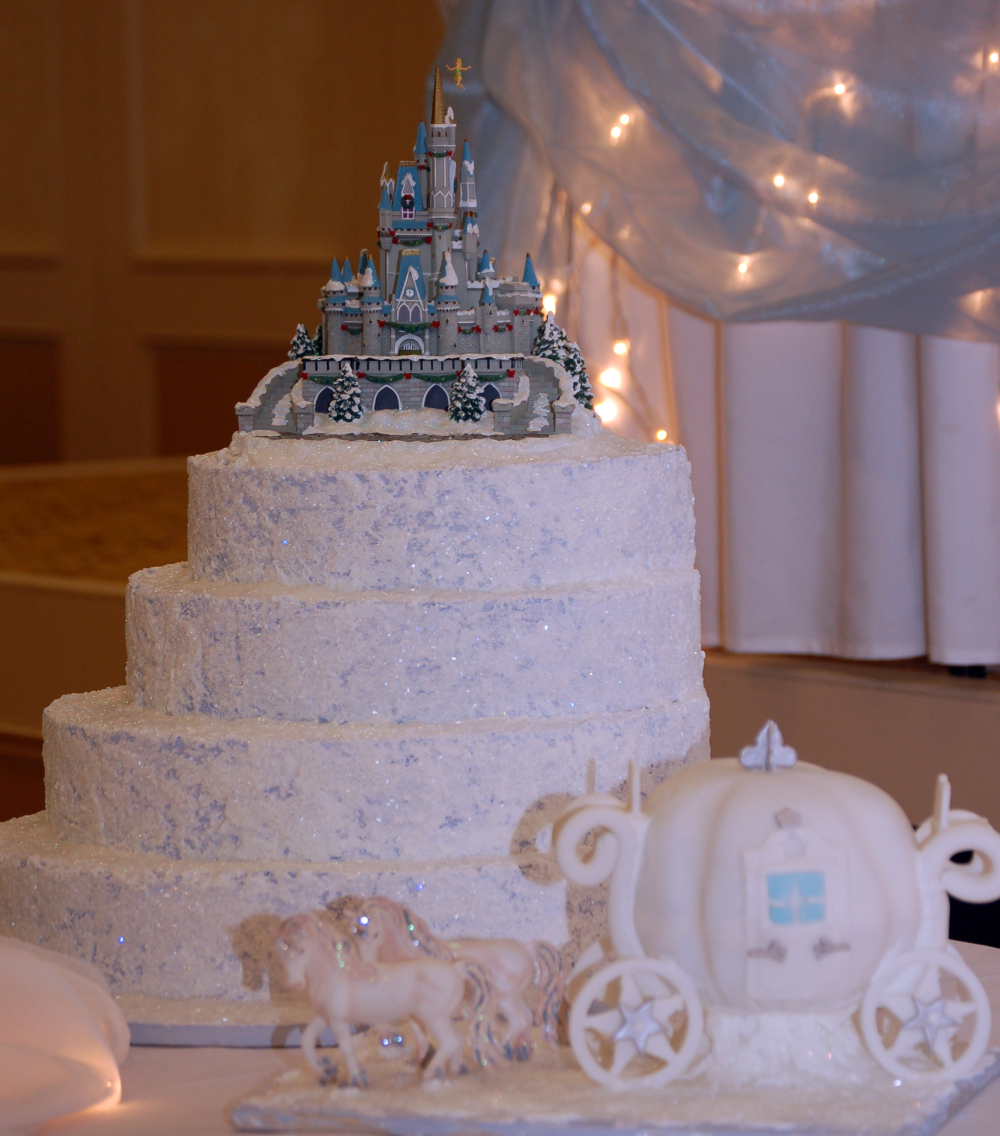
(437, 398)
(386, 399)
(323, 400)
(409, 344)
(490, 394)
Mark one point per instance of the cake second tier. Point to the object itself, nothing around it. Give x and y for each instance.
(308, 653)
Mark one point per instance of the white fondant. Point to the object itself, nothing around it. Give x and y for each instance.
(271, 651)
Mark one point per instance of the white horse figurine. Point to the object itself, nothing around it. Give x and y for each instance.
(346, 990)
(390, 932)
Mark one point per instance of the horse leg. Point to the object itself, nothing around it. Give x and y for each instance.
(518, 1035)
(322, 1066)
(420, 1040)
(342, 1033)
(448, 1054)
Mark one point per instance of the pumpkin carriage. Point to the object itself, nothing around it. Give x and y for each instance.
(766, 887)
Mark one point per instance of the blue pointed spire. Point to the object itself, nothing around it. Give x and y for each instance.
(487, 294)
(485, 266)
(348, 274)
(529, 276)
(466, 153)
(335, 273)
(363, 263)
(385, 202)
(375, 279)
(420, 146)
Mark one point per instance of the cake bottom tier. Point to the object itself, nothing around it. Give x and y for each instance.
(207, 928)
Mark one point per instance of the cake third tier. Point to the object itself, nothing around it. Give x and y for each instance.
(384, 668)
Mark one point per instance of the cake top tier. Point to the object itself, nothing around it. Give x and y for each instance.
(481, 513)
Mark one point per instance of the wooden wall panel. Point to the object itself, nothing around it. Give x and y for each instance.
(197, 387)
(264, 126)
(29, 104)
(30, 387)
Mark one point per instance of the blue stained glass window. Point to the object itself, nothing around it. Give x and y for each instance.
(796, 897)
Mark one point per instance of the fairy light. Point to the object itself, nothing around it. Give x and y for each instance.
(839, 88)
(813, 197)
(616, 132)
(779, 180)
(606, 410)
(624, 120)
(620, 347)
(549, 302)
(742, 267)
(611, 378)
(585, 208)
(995, 57)
(661, 435)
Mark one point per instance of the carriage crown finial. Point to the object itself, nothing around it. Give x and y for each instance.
(769, 751)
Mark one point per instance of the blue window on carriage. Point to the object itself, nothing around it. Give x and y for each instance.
(490, 394)
(796, 897)
(437, 398)
(323, 400)
(386, 399)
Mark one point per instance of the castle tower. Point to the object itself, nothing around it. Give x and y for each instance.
(447, 306)
(371, 308)
(441, 177)
(420, 157)
(409, 305)
(331, 304)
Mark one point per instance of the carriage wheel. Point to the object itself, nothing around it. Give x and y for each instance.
(636, 1022)
(926, 1014)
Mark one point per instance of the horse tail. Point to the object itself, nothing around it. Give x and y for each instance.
(483, 1012)
(551, 982)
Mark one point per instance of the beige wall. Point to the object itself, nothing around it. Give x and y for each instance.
(177, 176)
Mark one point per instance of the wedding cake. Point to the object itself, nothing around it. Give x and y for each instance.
(385, 668)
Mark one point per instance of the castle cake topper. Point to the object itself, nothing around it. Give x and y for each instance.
(425, 324)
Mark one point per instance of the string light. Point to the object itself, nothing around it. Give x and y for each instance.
(994, 57)
(839, 88)
(624, 120)
(611, 378)
(549, 302)
(779, 180)
(813, 197)
(620, 347)
(616, 132)
(742, 267)
(585, 208)
(606, 410)
(661, 435)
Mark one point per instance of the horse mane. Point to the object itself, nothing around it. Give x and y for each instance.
(409, 925)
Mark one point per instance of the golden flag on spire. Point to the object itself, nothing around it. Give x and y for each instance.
(437, 110)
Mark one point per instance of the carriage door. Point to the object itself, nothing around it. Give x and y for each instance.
(797, 916)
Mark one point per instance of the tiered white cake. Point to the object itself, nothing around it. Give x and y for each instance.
(386, 668)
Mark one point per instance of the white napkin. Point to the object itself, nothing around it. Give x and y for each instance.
(62, 1038)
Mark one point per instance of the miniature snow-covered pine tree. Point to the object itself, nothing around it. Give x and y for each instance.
(551, 342)
(541, 416)
(302, 343)
(467, 402)
(317, 343)
(345, 405)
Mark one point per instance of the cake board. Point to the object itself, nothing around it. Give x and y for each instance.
(549, 1095)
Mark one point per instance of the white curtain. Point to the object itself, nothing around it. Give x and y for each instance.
(846, 478)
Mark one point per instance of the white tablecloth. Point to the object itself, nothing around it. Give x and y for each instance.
(190, 1092)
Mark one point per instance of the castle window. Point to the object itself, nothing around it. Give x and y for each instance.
(386, 399)
(406, 206)
(437, 398)
(323, 400)
(490, 393)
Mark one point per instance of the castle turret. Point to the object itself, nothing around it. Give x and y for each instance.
(441, 179)
(420, 157)
(446, 304)
(331, 304)
(371, 308)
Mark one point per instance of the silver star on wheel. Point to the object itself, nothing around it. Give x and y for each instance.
(930, 1018)
(639, 1025)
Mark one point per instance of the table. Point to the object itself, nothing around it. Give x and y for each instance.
(190, 1092)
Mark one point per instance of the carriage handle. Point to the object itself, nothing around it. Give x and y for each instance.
(944, 833)
(621, 834)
